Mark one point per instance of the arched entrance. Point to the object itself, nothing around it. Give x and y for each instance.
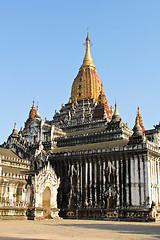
(47, 203)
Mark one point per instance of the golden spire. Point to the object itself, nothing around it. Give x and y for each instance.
(15, 127)
(33, 107)
(139, 121)
(87, 61)
(138, 130)
(87, 84)
(32, 111)
(102, 97)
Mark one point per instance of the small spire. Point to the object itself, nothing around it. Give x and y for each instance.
(14, 132)
(88, 38)
(37, 112)
(116, 109)
(20, 131)
(87, 61)
(138, 120)
(137, 130)
(116, 117)
(33, 107)
(102, 98)
(32, 111)
(15, 127)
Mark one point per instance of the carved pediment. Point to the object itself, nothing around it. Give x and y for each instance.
(46, 178)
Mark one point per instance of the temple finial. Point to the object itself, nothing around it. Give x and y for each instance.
(37, 112)
(116, 110)
(138, 120)
(32, 111)
(14, 132)
(116, 117)
(87, 61)
(15, 126)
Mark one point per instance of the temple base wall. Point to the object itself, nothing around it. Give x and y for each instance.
(109, 214)
(38, 213)
(15, 213)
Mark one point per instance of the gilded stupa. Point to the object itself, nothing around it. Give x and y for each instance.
(87, 84)
(32, 112)
(139, 120)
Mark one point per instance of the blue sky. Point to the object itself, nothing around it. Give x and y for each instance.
(41, 50)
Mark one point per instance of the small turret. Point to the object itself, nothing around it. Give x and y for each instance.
(32, 112)
(102, 110)
(37, 113)
(137, 130)
(139, 119)
(138, 137)
(20, 131)
(116, 117)
(14, 133)
(102, 97)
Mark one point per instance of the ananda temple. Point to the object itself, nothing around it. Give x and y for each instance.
(85, 163)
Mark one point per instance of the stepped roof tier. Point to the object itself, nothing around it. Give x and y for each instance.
(88, 102)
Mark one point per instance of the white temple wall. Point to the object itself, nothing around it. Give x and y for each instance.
(135, 198)
(147, 180)
(158, 177)
(154, 179)
(142, 181)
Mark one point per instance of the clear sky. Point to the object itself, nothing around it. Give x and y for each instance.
(41, 50)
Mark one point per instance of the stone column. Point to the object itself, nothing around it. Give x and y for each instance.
(158, 176)
(2, 203)
(104, 185)
(157, 182)
(141, 163)
(127, 182)
(90, 183)
(78, 184)
(95, 183)
(121, 181)
(117, 175)
(135, 182)
(86, 183)
(65, 184)
(148, 199)
(100, 182)
(81, 183)
(60, 199)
